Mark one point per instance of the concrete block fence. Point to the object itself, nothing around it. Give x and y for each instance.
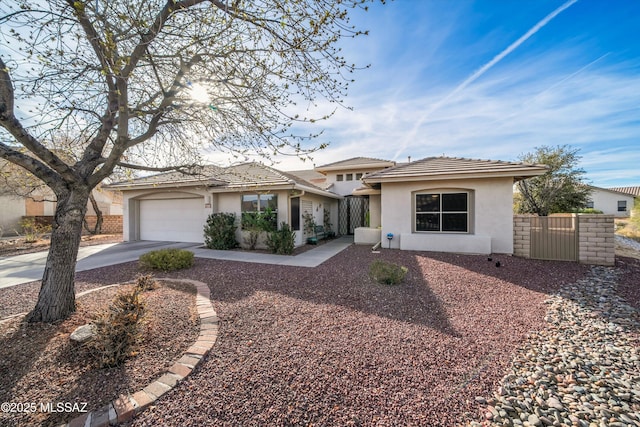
(595, 238)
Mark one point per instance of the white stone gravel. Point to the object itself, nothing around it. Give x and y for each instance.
(582, 370)
(630, 243)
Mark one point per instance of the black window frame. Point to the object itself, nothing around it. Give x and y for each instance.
(440, 212)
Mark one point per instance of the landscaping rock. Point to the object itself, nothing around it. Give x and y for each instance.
(83, 333)
(583, 369)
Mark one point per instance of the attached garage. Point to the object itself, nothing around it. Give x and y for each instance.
(173, 220)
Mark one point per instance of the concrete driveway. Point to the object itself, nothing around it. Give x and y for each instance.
(26, 268)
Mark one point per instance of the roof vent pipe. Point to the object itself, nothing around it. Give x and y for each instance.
(409, 159)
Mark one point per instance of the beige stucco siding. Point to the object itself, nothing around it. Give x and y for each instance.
(12, 209)
(491, 216)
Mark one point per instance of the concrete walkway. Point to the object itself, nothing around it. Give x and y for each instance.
(29, 267)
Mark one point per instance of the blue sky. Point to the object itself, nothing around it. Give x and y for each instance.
(493, 80)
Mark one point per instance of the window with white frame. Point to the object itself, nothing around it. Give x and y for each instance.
(339, 177)
(590, 204)
(442, 212)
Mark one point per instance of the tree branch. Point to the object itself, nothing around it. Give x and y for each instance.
(33, 165)
(9, 121)
(186, 169)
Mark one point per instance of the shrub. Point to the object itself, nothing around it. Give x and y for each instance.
(32, 230)
(282, 241)
(387, 273)
(145, 282)
(220, 231)
(118, 329)
(589, 211)
(167, 259)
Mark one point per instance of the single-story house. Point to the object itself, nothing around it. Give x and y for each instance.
(445, 204)
(174, 206)
(41, 203)
(611, 202)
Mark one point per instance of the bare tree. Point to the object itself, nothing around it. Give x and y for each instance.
(158, 81)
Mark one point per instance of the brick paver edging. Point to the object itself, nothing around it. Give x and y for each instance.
(126, 407)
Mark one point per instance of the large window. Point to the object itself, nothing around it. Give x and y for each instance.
(260, 205)
(442, 212)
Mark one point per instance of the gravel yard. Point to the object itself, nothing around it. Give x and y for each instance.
(39, 364)
(328, 346)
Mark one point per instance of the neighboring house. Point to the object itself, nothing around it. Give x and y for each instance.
(446, 204)
(174, 207)
(42, 203)
(610, 202)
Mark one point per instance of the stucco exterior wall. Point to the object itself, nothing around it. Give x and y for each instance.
(607, 202)
(12, 209)
(219, 202)
(375, 210)
(491, 216)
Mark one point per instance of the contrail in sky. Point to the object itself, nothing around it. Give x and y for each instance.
(486, 67)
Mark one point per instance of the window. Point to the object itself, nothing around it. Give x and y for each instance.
(295, 213)
(349, 177)
(339, 177)
(442, 212)
(264, 204)
(358, 176)
(622, 205)
(590, 204)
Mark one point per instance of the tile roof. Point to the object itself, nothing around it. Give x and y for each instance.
(204, 176)
(634, 191)
(236, 177)
(454, 167)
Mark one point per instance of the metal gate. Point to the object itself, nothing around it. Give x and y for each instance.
(554, 237)
(351, 213)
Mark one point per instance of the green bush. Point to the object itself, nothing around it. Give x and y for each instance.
(118, 330)
(167, 259)
(220, 231)
(589, 211)
(387, 273)
(282, 241)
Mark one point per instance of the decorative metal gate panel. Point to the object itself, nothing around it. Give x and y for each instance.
(343, 217)
(554, 238)
(351, 213)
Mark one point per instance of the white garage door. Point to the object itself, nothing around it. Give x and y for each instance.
(172, 220)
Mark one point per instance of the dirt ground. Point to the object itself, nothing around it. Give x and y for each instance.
(18, 246)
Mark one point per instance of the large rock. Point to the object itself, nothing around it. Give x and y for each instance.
(83, 333)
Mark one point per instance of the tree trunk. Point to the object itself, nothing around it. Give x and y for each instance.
(57, 293)
(99, 218)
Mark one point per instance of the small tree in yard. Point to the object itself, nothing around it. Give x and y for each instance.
(148, 85)
(561, 189)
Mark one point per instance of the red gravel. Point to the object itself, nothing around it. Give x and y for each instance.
(629, 280)
(328, 346)
(39, 364)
